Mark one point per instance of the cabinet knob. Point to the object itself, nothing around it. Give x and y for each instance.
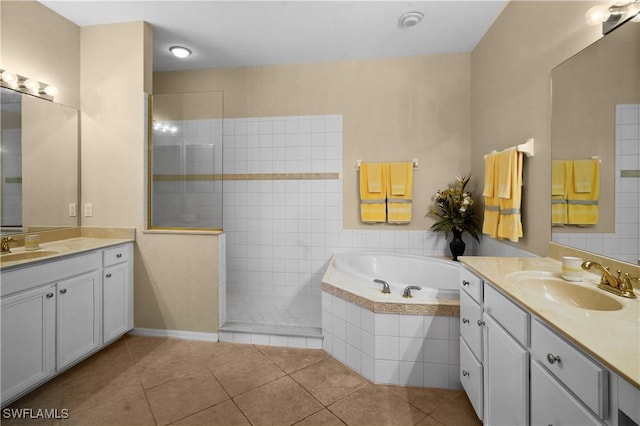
(63, 291)
(108, 275)
(119, 255)
(465, 282)
(480, 323)
(49, 295)
(465, 320)
(552, 359)
(465, 373)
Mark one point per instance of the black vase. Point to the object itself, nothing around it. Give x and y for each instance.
(457, 245)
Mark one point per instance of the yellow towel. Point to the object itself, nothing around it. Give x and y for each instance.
(583, 171)
(558, 177)
(582, 207)
(373, 207)
(504, 173)
(399, 173)
(374, 177)
(489, 174)
(558, 192)
(491, 202)
(399, 205)
(510, 225)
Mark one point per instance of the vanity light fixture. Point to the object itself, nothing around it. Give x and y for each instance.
(612, 16)
(27, 85)
(411, 19)
(180, 52)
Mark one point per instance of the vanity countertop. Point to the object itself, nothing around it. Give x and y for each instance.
(62, 248)
(612, 337)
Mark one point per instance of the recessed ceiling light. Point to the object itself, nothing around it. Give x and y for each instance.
(411, 19)
(180, 52)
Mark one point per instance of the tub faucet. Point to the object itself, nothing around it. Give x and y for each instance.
(385, 286)
(407, 291)
(4, 245)
(620, 285)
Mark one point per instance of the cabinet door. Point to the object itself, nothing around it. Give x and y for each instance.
(551, 404)
(28, 339)
(471, 324)
(79, 317)
(117, 302)
(506, 377)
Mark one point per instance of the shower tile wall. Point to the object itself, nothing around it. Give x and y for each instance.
(624, 244)
(282, 233)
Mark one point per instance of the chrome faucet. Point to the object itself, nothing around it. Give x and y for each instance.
(385, 286)
(4, 244)
(620, 285)
(407, 291)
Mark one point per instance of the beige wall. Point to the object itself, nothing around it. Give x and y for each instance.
(511, 95)
(38, 43)
(176, 276)
(393, 110)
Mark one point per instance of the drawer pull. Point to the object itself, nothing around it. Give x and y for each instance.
(49, 295)
(481, 323)
(552, 359)
(63, 291)
(108, 275)
(465, 282)
(465, 373)
(119, 255)
(465, 320)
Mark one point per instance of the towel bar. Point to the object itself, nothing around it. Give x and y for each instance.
(526, 148)
(415, 162)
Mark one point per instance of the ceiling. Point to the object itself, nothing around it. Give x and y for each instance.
(225, 34)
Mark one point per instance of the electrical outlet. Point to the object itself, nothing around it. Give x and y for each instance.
(88, 209)
(72, 210)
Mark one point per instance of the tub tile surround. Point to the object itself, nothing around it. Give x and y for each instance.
(395, 349)
(624, 243)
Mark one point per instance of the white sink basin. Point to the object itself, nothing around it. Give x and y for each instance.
(552, 288)
(26, 255)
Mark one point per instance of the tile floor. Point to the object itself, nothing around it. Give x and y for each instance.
(157, 381)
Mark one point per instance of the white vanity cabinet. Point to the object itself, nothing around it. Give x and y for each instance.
(79, 319)
(117, 292)
(57, 312)
(28, 339)
(533, 375)
(471, 354)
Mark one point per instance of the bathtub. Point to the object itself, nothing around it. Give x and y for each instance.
(387, 338)
(355, 273)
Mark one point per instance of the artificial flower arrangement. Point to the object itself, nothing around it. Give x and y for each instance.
(454, 208)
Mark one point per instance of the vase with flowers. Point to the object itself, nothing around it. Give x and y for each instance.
(454, 208)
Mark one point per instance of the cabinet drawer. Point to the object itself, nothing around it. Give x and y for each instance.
(510, 316)
(115, 255)
(472, 284)
(551, 404)
(471, 378)
(585, 378)
(471, 324)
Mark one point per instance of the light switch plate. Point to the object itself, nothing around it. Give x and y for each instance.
(72, 210)
(88, 209)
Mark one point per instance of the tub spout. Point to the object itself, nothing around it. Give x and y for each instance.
(407, 290)
(385, 286)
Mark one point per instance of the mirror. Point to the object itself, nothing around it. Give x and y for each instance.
(596, 115)
(40, 162)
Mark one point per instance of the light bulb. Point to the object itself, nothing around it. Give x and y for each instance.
(597, 15)
(51, 90)
(9, 77)
(32, 85)
(180, 52)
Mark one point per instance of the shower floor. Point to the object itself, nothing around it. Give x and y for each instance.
(273, 314)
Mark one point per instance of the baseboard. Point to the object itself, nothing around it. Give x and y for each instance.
(176, 334)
